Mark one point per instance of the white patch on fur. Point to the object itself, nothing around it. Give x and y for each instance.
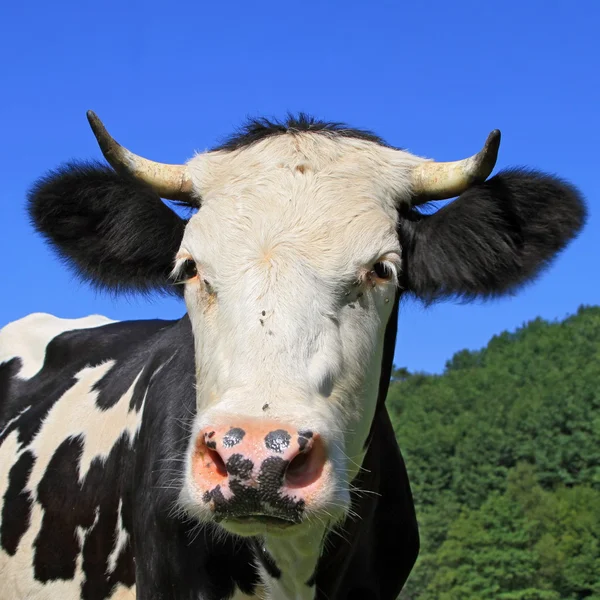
(28, 338)
(260, 594)
(74, 414)
(297, 559)
(121, 537)
(105, 427)
(123, 593)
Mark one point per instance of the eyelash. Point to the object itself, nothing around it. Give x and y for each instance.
(380, 273)
(382, 270)
(186, 271)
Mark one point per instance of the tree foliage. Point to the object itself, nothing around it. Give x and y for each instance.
(503, 453)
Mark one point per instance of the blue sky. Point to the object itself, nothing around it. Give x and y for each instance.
(171, 78)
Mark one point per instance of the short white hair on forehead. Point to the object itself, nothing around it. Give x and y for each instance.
(328, 199)
(365, 166)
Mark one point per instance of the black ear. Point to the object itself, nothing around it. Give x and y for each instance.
(494, 238)
(114, 232)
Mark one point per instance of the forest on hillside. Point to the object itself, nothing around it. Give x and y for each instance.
(503, 455)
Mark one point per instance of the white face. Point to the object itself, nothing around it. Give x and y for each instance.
(298, 259)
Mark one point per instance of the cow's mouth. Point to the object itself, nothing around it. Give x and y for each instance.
(260, 519)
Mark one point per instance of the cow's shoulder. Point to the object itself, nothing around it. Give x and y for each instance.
(27, 339)
(43, 356)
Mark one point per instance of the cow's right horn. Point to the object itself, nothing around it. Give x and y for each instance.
(168, 181)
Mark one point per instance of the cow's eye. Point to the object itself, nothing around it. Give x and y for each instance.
(382, 270)
(188, 270)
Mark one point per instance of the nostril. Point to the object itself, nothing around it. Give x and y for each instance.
(296, 469)
(217, 462)
(306, 467)
(207, 462)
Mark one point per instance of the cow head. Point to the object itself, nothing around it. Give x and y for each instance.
(303, 236)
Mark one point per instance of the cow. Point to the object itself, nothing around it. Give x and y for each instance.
(245, 449)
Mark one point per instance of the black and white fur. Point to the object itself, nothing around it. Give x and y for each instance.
(92, 499)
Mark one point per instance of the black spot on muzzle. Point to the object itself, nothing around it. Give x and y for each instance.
(270, 477)
(210, 443)
(238, 466)
(278, 440)
(303, 439)
(263, 498)
(233, 437)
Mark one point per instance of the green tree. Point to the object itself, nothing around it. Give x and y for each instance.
(503, 454)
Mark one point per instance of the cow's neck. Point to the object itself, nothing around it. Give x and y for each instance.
(288, 564)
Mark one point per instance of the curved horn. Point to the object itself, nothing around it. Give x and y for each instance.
(441, 180)
(169, 181)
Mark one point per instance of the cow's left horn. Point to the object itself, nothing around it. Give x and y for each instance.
(169, 181)
(441, 180)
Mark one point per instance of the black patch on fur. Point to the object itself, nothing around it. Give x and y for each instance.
(9, 389)
(212, 444)
(238, 466)
(371, 557)
(496, 237)
(16, 510)
(233, 437)
(278, 440)
(115, 384)
(387, 362)
(259, 129)
(98, 545)
(267, 561)
(124, 572)
(59, 495)
(114, 232)
(93, 506)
